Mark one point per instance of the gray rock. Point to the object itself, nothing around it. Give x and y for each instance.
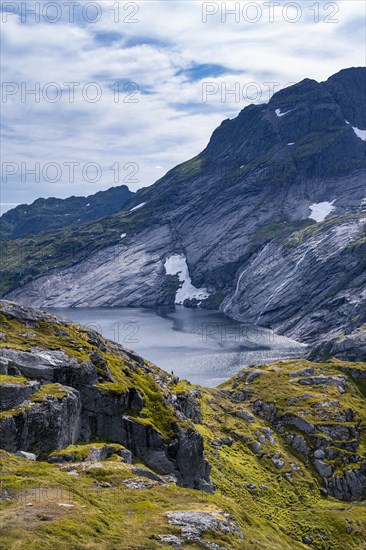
(4, 495)
(194, 524)
(309, 371)
(126, 456)
(58, 420)
(188, 405)
(350, 486)
(339, 381)
(106, 415)
(252, 376)
(172, 540)
(28, 456)
(298, 443)
(324, 469)
(149, 475)
(265, 410)
(225, 441)
(256, 447)
(277, 460)
(349, 347)
(138, 484)
(51, 366)
(4, 365)
(13, 394)
(135, 400)
(338, 432)
(245, 415)
(307, 540)
(319, 453)
(300, 423)
(268, 434)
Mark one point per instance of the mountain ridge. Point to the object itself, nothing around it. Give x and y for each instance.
(245, 200)
(44, 215)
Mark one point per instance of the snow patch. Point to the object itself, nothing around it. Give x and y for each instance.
(360, 133)
(177, 265)
(88, 204)
(279, 114)
(123, 235)
(292, 143)
(138, 206)
(320, 210)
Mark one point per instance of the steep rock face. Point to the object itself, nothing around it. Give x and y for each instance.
(114, 395)
(130, 274)
(230, 211)
(44, 426)
(348, 347)
(313, 282)
(14, 393)
(50, 366)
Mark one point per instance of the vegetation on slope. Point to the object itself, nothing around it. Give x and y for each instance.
(272, 492)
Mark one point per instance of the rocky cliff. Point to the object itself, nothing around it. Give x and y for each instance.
(109, 447)
(275, 202)
(90, 388)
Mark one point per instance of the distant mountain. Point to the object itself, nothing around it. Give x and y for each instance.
(47, 214)
(268, 224)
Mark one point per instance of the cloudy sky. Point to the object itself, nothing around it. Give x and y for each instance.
(123, 91)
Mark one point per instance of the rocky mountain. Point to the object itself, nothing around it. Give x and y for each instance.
(101, 449)
(268, 224)
(48, 214)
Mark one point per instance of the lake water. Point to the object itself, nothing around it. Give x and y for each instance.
(204, 347)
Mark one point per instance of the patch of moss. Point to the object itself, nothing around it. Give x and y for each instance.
(49, 390)
(8, 379)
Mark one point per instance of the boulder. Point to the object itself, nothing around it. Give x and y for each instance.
(324, 469)
(12, 394)
(51, 366)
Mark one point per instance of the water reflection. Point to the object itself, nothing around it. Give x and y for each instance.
(205, 347)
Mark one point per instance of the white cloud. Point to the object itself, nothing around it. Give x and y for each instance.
(169, 124)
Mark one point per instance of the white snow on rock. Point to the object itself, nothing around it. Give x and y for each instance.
(292, 143)
(138, 206)
(86, 205)
(177, 265)
(360, 133)
(123, 235)
(279, 114)
(320, 210)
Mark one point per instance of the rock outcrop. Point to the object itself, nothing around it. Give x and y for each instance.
(325, 424)
(346, 347)
(62, 397)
